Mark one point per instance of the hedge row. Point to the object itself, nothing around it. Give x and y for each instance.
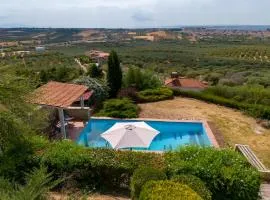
(258, 111)
(119, 108)
(226, 173)
(103, 169)
(153, 95)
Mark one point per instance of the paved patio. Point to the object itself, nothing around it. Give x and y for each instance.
(74, 129)
(265, 191)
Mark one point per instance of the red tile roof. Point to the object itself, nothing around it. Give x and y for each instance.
(86, 95)
(185, 83)
(58, 94)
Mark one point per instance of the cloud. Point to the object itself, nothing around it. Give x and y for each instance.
(141, 16)
(133, 13)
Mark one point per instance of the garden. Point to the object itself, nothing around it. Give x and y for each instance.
(31, 165)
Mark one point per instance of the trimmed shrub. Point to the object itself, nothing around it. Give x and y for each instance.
(195, 184)
(102, 169)
(141, 176)
(254, 110)
(119, 108)
(152, 95)
(226, 173)
(167, 190)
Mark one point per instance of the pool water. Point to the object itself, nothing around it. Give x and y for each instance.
(171, 136)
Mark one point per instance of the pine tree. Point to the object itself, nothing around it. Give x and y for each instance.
(114, 75)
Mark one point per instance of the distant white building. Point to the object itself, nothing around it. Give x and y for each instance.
(40, 49)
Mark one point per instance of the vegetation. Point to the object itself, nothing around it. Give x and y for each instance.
(61, 74)
(225, 173)
(119, 108)
(255, 110)
(152, 95)
(84, 59)
(238, 72)
(114, 74)
(195, 184)
(38, 184)
(141, 79)
(103, 169)
(94, 71)
(40, 68)
(245, 94)
(143, 175)
(167, 190)
(100, 89)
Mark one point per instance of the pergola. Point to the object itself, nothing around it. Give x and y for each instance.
(60, 96)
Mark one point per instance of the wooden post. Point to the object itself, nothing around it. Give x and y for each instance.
(62, 122)
(82, 102)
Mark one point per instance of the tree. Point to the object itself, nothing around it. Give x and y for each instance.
(114, 74)
(130, 77)
(100, 89)
(94, 71)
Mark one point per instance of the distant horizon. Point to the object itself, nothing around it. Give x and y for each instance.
(132, 14)
(146, 27)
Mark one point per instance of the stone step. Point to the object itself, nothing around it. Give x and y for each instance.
(265, 191)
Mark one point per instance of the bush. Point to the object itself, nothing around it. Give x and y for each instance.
(119, 108)
(152, 95)
(167, 190)
(254, 110)
(141, 79)
(99, 88)
(226, 173)
(195, 184)
(94, 71)
(101, 169)
(141, 176)
(38, 184)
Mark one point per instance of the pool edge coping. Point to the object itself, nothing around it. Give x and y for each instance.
(208, 130)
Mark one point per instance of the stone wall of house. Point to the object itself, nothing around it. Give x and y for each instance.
(78, 113)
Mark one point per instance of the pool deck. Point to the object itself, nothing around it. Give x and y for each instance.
(75, 129)
(209, 132)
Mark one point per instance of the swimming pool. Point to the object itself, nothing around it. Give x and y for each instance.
(172, 134)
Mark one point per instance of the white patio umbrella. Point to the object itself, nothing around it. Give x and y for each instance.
(130, 134)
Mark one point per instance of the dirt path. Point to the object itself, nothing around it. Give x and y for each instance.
(81, 65)
(234, 125)
(58, 196)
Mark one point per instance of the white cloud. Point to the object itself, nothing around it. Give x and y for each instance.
(132, 13)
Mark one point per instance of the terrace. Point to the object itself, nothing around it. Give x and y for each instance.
(69, 101)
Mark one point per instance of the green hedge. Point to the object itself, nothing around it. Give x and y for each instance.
(226, 173)
(119, 108)
(103, 169)
(195, 184)
(152, 95)
(254, 110)
(141, 176)
(167, 190)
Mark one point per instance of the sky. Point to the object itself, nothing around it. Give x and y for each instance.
(132, 13)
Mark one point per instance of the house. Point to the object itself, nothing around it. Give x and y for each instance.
(184, 83)
(98, 56)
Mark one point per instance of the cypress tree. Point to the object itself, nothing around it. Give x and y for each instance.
(114, 74)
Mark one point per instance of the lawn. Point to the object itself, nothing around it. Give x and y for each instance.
(235, 127)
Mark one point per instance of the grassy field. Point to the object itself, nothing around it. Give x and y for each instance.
(235, 127)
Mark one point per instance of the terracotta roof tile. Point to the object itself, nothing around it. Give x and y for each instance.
(58, 94)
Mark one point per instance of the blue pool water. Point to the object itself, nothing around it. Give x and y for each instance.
(171, 136)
